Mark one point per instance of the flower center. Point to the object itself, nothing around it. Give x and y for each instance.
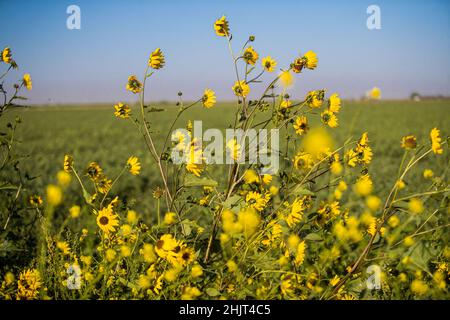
(104, 220)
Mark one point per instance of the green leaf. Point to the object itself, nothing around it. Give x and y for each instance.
(87, 197)
(194, 181)
(313, 237)
(212, 292)
(300, 191)
(7, 186)
(187, 226)
(231, 201)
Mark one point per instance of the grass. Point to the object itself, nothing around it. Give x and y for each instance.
(93, 133)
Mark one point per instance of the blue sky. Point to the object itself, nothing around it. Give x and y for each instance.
(410, 52)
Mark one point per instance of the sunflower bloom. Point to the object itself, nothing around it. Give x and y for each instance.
(301, 125)
(250, 55)
(94, 171)
(133, 165)
(234, 149)
(334, 103)
(329, 118)
(6, 55)
(409, 142)
(133, 84)
(28, 284)
(268, 64)
(122, 110)
(156, 59)
(26, 80)
(209, 98)
(285, 104)
(68, 163)
(221, 27)
(311, 60)
(436, 139)
(315, 98)
(241, 88)
(107, 220)
(300, 253)
(375, 93)
(286, 79)
(256, 200)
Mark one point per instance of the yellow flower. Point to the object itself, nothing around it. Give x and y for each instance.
(256, 200)
(267, 179)
(364, 185)
(27, 81)
(250, 176)
(170, 218)
(269, 64)
(373, 203)
(296, 212)
(311, 60)
(301, 125)
(428, 174)
(334, 103)
(328, 210)
(107, 220)
(196, 271)
(241, 88)
(68, 163)
(418, 287)
(110, 255)
(329, 118)
(409, 142)
(249, 220)
(436, 141)
(54, 195)
(148, 253)
(232, 266)
(28, 284)
(335, 281)
(318, 142)
(186, 256)
(6, 55)
(122, 110)
(133, 165)
(195, 160)
(63, 178)
(234, 149)
(190, 293)
(165, 246)
(125, 251)
(103, 184)
(87, 260)
(314, 99)
(221, 27)
(393, 221)
(64, 247)
(209, 98)
(300, 253)
(303, 161)
(94, 171)
(250, 55)
(133, 84)
(408, 241)
(375, 93)
(415, 206)
(132, 216)
(285, 104)
(75, 211)
(156, 59)
(286, 79)
(400, 184)
(36, 200)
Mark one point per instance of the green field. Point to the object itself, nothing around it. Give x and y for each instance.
(93, 133)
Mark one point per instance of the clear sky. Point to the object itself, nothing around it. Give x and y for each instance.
(410, 53)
